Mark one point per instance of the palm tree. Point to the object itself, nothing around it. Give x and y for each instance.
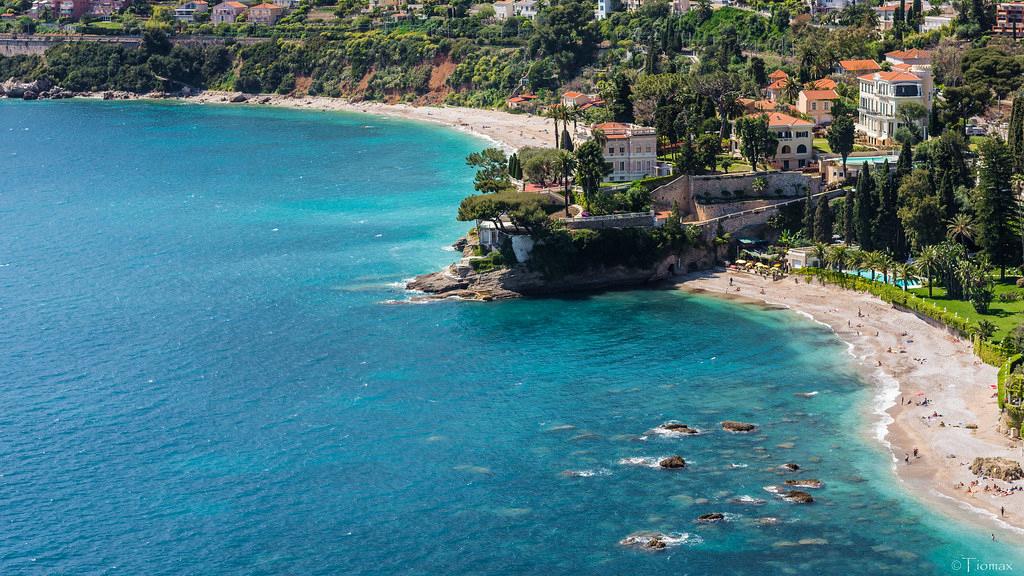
(886, 262)
(985, 329)
(791, 90)
(871, 261)
(903, 272)
(926, 262)
(555, 113)
(821, 253)
(960, 228)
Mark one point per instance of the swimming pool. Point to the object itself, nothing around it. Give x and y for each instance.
(879, 277)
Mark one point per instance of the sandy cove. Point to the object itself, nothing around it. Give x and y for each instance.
(927, 362)
(510, 131)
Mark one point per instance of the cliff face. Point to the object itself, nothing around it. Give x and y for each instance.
(459, 281)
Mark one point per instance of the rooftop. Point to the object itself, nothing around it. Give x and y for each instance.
(894, 76)
(911, 54)
(859, 65)
(820, 94)
(778, 119)
(822, 84)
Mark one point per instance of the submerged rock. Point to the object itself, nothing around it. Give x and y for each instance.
(805, 483)
(790, 466)
(711, 517)
(678, 428)
(672, 462)
(735, 426)
(646, 540)
(998, 468)
(798, 497)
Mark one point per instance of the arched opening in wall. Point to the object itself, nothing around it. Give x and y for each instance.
(801, 149)
(786, 149)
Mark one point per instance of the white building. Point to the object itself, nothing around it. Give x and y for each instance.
(604, 9)
(881, 95)
(505, 9)
(188, 11)
(631, 150)
(935, 22)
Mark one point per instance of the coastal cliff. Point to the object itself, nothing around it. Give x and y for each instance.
(461, 280)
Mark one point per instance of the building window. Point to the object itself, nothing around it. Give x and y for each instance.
(622, 150)
(801, 149)
(785, 149)
(801, 134)
(611, 150)
(814, 105)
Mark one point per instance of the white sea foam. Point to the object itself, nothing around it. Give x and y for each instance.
(745, 499)
(641, 461)
(731, 465)
(587, 473)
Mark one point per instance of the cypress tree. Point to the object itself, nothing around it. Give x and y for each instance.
(849, 234)
(947, 195)
(823, 222)
(864, 212)
(1015, 134)
(566, 140)
(905, 163)
(996, 206)
(886, 218)
(809, 216)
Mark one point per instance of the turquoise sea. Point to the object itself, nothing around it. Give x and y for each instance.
(201, 373)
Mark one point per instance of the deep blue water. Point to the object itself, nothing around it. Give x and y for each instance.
(199, 374)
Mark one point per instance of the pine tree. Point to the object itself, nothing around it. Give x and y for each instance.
(1015, 135)
(864, 212)
(995, 205)
(849, 233)
(947, 195)
(809, 215)
(823, 222)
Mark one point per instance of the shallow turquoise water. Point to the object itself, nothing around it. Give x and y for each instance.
(201, 376)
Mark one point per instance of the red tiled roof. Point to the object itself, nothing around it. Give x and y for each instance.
(822, 84)
(859, 65)
(754, 105)
(517, 99)
(885, 8)
(911, 54)
(820, 94)
(573, 94)
(777, 75)
(780, 119)
(894, 76)
(778, 84)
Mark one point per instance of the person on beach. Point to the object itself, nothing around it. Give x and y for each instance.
(915, 452)
(1002, 511)
(730, 281)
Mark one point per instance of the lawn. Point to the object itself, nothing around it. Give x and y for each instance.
(1005, 315)
(821, 145)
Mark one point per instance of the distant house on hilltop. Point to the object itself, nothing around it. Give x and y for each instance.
(227, 12)
(266, 14)
(188, 11)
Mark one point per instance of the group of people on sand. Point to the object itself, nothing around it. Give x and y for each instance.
(993, 488)
(906, 457)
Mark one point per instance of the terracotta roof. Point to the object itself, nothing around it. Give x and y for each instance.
(859, 65)
(911, 54)
(820, 94)
(604, 126)
(527, 96)
(573, 94)
(516, 99)
(885, 8)
(237, 5)
(778, 84)
(752, 105)
(780, 119)
(894, 76)
(823, 84)
(778, 74)
(265, 5)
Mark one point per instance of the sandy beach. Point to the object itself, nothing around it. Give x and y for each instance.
(910, 360)
(510, 131)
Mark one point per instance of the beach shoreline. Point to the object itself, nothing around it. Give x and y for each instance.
(506, 130)
(906, 359)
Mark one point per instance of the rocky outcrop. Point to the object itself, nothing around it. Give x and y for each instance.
(998, 468)
(735, 426)
(647, 541)
(239, 98)
(117, 95)
(805, 483)
(798, 497)
(14, 89)
(789, 466)
(711, 517)
(672, 462)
